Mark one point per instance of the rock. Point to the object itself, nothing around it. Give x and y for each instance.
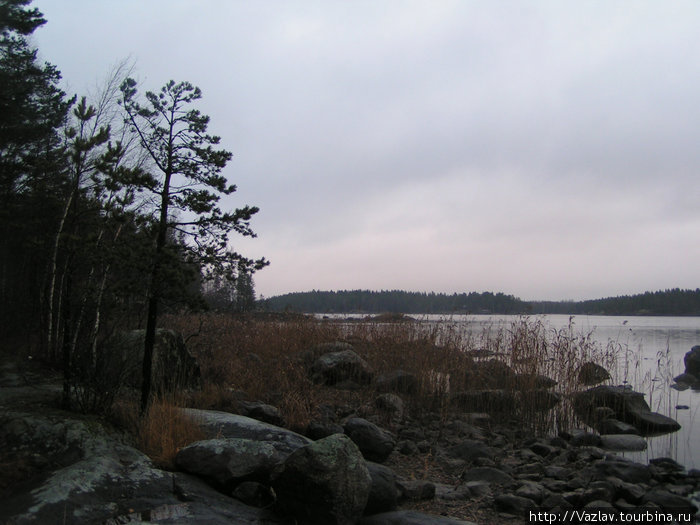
(469, 450)
(391, 404)
(416, 490)
(224, 425)
(321, 429)
(410, 517)
(692, 361)
(654, 423)
(622, 442)
(262, 412)
(592, 373)
(407, 447)
(230, 461)
(687, 379)
(578, 437)
(492, 401)
(532, 491)
(254, 494)
(491, 374)
(669, 501)
(630, 492)
(326, 482)
(174, 367)
(452, 493)
(629, 406)
(375, 443)
(512, 504)
(479, 488)
(489, 474)
(398, 381)
(336, 367)
(614, 426)
(627, 471)
(109, 482)
(384, 493)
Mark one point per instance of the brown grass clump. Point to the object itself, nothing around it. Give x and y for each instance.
(162, 432)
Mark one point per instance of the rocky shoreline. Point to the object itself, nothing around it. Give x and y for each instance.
(372, 465)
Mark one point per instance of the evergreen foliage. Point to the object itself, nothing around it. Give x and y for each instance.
(108, 212)
(669, 302)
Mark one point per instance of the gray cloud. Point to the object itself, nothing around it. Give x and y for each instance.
(544, 149)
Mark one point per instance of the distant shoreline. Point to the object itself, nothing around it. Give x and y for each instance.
(669, 303)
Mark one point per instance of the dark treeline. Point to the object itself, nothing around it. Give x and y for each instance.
(365, 301)
(668, 302)
(108, 211)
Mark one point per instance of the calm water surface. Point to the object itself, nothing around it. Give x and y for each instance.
(650, 351)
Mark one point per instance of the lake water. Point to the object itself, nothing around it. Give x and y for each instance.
(650, 350)
(654, 348)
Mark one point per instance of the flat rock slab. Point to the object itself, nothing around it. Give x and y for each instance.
(111, 483)
(224, 425)
(623, 442)
(653, 422)
(410, 517)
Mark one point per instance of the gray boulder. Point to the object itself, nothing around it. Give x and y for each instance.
(490, 401)
(174, 367)
(339, 367)
(669, 501)
(629, 406)
(224, 425)
(416, 489)
(488, 474)
(470, 450)
(326, 482)
(627, 471)
(384, 492)
(375, 443)
(230, 461)
(623, 442)
(692, 361)
(592, 373)
(93, 477)
(262, 412)
(491, 374)
(391, 405)
(614, 426)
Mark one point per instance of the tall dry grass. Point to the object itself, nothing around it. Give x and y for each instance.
(162, 431)
(262, 358)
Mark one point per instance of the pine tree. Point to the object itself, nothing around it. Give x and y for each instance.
(187, 181)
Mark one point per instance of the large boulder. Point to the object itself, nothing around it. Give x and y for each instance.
(228, 462)
(692, 361)
(629, 406)
(174, 367)
(326, 482)
(375, 443)
(224, 425)
(91, 476)
(592, 373)
(339, 367)
(491, 374)
(384, 492)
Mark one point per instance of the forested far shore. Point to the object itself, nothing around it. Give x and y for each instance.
(675, 302)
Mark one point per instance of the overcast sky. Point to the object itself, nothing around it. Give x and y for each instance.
(545, 149)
